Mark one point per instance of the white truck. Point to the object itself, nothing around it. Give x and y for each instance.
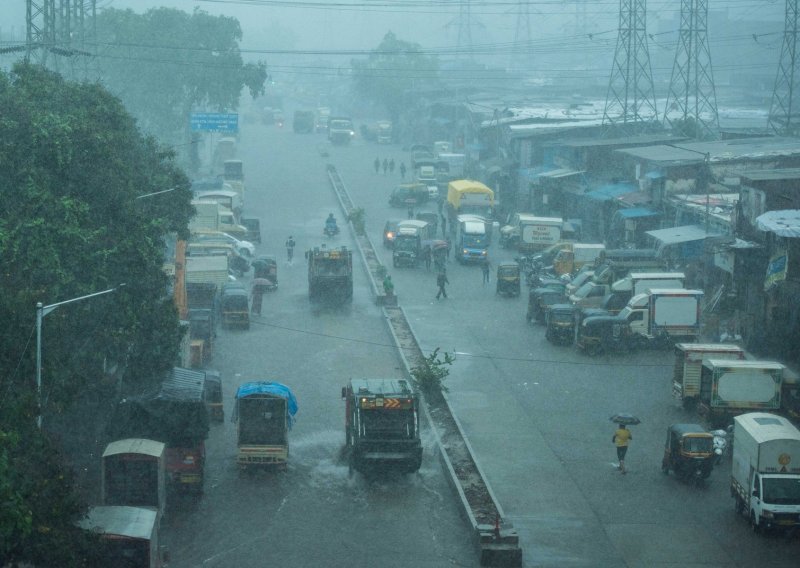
(765, 474)
(658, 312)
(530, 233)
(729, 388)
(211, 268)
(210, 215)
(689, 363)
(639, 282)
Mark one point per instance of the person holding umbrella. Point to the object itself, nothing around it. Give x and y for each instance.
(622, 437)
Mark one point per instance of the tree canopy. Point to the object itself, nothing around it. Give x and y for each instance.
(73, 165)
(392, 71)
(165, 63)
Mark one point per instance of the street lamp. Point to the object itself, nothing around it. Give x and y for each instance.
(41, 312)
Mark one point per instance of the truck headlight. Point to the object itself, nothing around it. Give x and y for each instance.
(465, 251)
(767, 514)
(484, 253)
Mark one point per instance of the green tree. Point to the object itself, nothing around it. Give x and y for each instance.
(391, 72)
(73, 164)
(429, 375)
(166, 63)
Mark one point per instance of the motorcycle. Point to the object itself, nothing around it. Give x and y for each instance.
(722, 447)
(330, 231)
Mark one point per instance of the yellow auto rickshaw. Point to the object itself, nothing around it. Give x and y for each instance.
(508, 279)
(689, 452)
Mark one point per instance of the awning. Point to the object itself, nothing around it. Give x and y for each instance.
(561, 173)
(684, 234)
(637, 213)
(784, 223)
(634, 198)
(609, 192)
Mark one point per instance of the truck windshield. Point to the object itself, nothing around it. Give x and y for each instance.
(781, 491)
(475, 209)
(474, 241)
(405, 244)
(382, 424)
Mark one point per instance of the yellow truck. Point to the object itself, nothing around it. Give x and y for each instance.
(469, 197)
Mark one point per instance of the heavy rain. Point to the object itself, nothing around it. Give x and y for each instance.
(399, 283)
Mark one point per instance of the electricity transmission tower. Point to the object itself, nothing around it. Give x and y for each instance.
(630, 101)
(59, 29)
(692, 101)
(784, 106)
(465, 23)
(520, 54)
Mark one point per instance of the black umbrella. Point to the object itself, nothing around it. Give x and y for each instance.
(623, 418)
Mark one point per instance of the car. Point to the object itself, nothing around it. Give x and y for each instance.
(245, 248)
(389, 233)
(408, 195)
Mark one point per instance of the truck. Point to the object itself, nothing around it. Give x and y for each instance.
(661, 312)
(129, 535)
(233, 175)
(594, 292)
(765, 470)
(384, 132)
(456, 164)
(408, 242)
(730, 387)
(173, 413)
(571, 259)
(228, 198)
(469, 197)
(382, 425)
(425, 174)
(340, 130)
(471, 243)
(264, 414)
(303, 121)
(330, 274)
(529, 233)
(133, 474)
(689, 363)
(204, 277)
(210, 215)
(321, 117)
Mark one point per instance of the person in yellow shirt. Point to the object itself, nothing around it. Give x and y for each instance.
(621, 438)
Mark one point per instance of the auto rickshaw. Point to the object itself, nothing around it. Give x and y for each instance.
(689, 452)
(602, 333)
(508, 278)
(560, 321)
(213, 396)
(539, 300)
(235, 308)
(266, 267)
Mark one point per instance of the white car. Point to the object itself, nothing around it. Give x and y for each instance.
(245, 248)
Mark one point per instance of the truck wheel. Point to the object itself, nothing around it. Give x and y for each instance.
(754, 524)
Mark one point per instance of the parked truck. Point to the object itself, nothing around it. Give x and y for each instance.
(529, 233)
(765, 472)
(174, 413)
(382, 425)
(133, 473)
(660, 312)
(264, 414)
(593, 293)
(689, 364)
(130, 536)
(571, 259)
(471, 242)
(730, 387)
(330, 274)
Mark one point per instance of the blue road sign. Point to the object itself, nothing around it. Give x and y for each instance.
(214, 122)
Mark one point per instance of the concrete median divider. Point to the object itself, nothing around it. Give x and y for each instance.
(496, 540)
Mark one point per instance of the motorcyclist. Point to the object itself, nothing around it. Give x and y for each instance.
(330, 224)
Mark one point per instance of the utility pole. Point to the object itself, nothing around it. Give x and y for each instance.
(58, 29)
(630, 100)
(783, 107)
(692, 97)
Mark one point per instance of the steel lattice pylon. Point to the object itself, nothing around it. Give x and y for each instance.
(692, 96)
(465, 27)
(58, 29)
(630, 102)
(522, 33)
(783, 107)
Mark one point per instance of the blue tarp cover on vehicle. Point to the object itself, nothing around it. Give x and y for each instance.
(271, 388)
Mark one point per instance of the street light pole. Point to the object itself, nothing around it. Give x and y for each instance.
(155, 193)
(41, 312)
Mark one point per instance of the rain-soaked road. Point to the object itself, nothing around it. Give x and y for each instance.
(536, 416)
(312, 514)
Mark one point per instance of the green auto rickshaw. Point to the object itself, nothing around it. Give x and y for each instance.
(508, 279)
(560, 322)
(540, 300)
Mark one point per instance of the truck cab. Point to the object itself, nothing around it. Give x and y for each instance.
(408, 242)
(472, 242)
(340, 130)
(657, 312)
(382, 425)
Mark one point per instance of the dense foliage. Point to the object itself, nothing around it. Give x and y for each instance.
(166, 63)
(73, 163)
(392, 72)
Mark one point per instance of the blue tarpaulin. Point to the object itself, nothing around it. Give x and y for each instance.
(637, 212)
(610, 191)
(266, 387)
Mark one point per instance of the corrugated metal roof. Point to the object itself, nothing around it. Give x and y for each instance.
(647, 139)
(183, 384)
(135, 446)
(682, 234)
(664, 154)
(637, 212)
(117, 520)
(772, 175)
(610, 191)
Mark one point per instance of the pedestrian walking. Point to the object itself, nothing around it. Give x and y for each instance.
(410, 211)
(290, 249)
(385, 165)
(402, 170)
(441, 280)
(391, 166)
(257, 295)
(388, 285)
(426, 256)
(444, 226)
(621, 439)
(485, 270)
(377, 165)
